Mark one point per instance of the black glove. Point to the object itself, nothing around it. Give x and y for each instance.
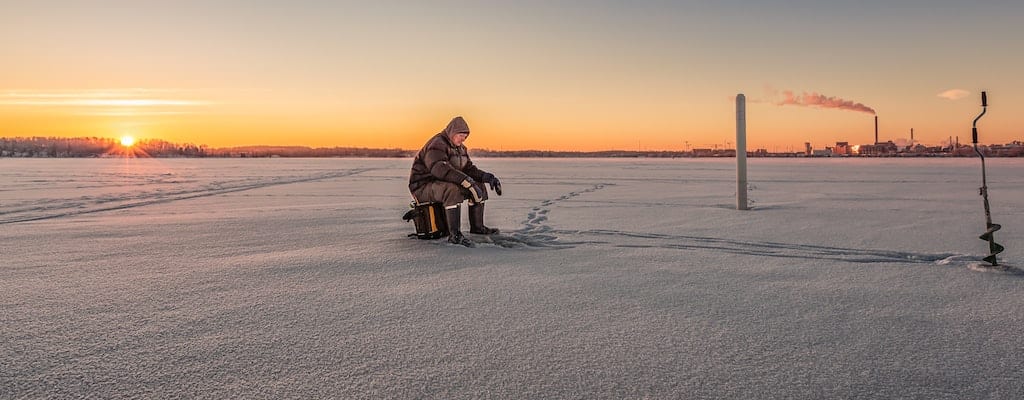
(493, 182)
(476, 191)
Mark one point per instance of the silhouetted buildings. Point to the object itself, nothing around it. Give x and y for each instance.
(877, 149)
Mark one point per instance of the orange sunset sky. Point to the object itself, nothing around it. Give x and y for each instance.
(553, 75)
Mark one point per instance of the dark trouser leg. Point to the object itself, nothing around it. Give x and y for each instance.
(476, 220)
(446, 193)
(454, 215)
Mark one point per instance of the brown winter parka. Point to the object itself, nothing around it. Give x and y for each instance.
(440, 160)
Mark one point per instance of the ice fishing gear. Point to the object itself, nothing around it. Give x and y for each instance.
(430, 220)
(993, 247)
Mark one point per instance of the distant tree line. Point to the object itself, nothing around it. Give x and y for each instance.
(94, 147)
(303, 151)
(577, 154)
(107, 147)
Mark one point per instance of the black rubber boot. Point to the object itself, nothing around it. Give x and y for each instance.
(476, 221)
(454, 216)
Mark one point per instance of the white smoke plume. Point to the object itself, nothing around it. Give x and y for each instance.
(819, 100)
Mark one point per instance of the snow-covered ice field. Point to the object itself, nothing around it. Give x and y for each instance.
(613, 278)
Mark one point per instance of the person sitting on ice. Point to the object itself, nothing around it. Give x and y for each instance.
(442, 172)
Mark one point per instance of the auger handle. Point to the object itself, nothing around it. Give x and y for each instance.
(974, 126)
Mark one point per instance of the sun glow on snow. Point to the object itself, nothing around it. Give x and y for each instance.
(127, 141)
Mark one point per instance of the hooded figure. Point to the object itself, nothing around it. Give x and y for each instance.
(442, 172)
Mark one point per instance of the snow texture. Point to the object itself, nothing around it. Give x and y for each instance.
(613, 278)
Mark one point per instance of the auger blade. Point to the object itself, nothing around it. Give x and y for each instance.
(993, 248)
(991, 228)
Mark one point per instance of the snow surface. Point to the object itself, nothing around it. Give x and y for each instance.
(613, 278)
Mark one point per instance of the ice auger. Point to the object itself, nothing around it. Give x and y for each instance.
(993, 247)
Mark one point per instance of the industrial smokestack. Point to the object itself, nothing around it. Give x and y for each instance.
(876, 129)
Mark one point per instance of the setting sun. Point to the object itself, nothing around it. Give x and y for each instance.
(127, 141)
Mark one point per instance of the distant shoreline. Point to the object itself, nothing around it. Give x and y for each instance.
(492, 155)
(51, 147)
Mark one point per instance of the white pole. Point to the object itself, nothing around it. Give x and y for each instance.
(741, 152)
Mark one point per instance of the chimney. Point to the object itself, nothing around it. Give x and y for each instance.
(876, 129)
